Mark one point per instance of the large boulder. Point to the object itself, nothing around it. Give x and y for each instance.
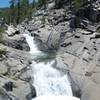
(84, 77)
(48, 37)
(32, 94)
(17, 42)
(12, 30)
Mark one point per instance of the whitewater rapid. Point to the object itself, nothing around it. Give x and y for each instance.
(49, 82)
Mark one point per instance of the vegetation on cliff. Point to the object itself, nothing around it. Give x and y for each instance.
(19, 10)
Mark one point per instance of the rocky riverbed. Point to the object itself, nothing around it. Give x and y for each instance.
(76, 41)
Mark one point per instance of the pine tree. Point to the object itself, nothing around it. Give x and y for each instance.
(70, 3)
(33, 4)
(24, 9)
(12, 11)
(80, 3)
(18, 12)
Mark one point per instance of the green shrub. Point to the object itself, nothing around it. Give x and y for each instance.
(78, 3)
(1, 34)
(98, 30)
(3, 51)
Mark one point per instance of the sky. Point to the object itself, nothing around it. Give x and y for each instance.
(5, 3)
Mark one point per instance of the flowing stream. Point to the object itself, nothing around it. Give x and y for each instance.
(49, 82)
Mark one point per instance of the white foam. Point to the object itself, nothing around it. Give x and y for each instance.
(31, 43)
(52, 97)
(49, 81)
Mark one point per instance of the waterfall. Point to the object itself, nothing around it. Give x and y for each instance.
(48, 81)
(31, 43)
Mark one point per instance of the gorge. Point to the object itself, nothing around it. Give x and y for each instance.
(50, 50)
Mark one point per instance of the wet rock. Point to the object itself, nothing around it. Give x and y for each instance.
(32, 94)
(8, 86)
(75, 89)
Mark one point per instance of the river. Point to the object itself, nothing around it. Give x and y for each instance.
(49, 82)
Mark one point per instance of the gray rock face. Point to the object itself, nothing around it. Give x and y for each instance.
(10, 69)
(53, 40)
(32, 94)
(48, 38)
(3, 68)
(76, 22)
(82, 59)
(25, 74)
(12, 31)
(6, 96)
(17, 42)
(56, 16)
(8, 86)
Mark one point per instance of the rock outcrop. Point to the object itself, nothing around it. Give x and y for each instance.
(15, 69)
(17, 42)
(15, 73)
(12, 30)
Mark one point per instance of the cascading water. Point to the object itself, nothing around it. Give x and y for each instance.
(31, 43)
(49, 82)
